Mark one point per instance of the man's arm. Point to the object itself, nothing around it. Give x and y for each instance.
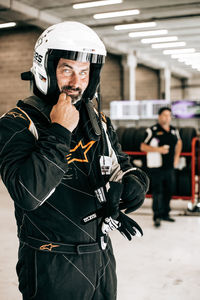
(147, 148)
(31, 168)
(135, 181)
(178, 150)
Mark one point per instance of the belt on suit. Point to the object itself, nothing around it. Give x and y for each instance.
(57, 247)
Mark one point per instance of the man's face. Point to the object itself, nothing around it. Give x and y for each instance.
(72, 77)
(164, 118)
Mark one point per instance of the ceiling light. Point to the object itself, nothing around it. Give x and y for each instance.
(186, 55)
(148, 33)
(179, 51)
(159, 40)
(193, 64)
(6, 25)
(181, 59)
(117, 14)
(196, 67)
(187, 63)
(135, 25)
(96, 3)
(168, 45)
(189, 59)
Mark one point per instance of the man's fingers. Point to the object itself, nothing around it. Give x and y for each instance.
(65, 98)
(68, 99)
(62, 97)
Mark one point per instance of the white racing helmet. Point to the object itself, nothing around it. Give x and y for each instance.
(70, 40)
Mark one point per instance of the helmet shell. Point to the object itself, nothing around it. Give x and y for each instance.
(73, 40)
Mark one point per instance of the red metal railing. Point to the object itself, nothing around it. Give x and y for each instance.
(195, 155)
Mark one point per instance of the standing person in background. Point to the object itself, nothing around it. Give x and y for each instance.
(63, 167)
(163, 146)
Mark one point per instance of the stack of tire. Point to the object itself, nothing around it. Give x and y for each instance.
(130, 140)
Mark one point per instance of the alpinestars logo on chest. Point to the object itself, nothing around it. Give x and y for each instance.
(75, 155)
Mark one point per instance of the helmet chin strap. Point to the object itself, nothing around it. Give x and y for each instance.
(93, 118)
(88, 95)
(27, 75)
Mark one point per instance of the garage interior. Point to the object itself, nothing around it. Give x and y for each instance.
(141, 71)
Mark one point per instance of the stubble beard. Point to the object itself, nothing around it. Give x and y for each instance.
(75, 98)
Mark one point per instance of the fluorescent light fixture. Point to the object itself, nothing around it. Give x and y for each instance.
(187, 63)
(188, 59)
(186, 55)
(96, 3)
(148, 33)
(160, 40)
(7, 25)
(196, 67)
(135, 25)
(168, 45)
(179, 51)
(115, 14)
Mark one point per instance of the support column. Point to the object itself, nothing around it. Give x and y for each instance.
(165, 84)
(129, 83)
(184, 87)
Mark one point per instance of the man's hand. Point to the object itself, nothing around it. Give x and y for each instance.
(148, 148)
(163, 149)
(136, 185)
(176, 161)
(128, 227)
(65, 113)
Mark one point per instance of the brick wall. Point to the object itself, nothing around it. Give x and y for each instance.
(111, 80)
(192, 88)
(16, 52)
(147, 83)
(176, 89)
(185, 89)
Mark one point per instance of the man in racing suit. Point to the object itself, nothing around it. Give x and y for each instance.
(63, 167)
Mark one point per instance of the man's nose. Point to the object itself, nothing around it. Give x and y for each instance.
(75, 80)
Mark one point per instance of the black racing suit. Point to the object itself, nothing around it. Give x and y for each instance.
(51, 174)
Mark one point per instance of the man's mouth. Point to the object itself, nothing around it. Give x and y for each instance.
(71, 92)
(74, 93)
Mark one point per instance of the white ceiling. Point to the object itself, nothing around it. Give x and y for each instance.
(180, 17)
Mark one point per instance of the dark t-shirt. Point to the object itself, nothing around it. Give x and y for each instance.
(162, 138)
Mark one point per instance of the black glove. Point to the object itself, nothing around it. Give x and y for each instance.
(113, 199)
(110, 206)
(109, 212)
(136, 185)
(111, 216)
(128, 227)
(108, 224)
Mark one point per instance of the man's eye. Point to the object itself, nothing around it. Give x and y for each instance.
(67, 71)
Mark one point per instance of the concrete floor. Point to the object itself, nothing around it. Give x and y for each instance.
(162, 265)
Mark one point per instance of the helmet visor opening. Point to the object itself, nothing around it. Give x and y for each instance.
(77, 56)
